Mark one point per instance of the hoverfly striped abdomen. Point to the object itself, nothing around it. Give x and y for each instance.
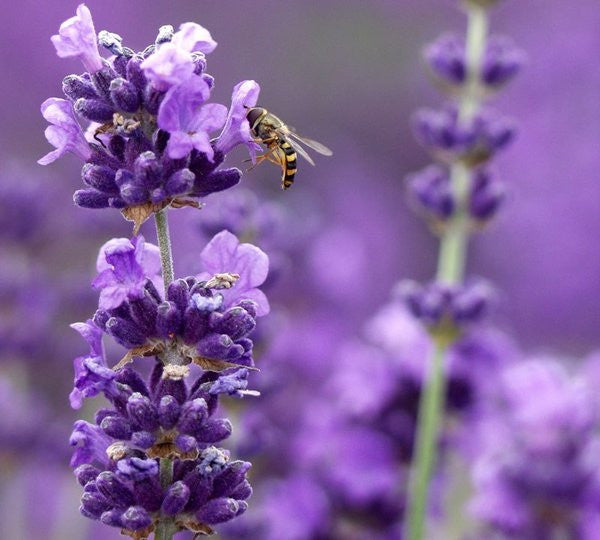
(289, 171)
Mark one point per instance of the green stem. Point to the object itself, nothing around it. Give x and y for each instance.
(451, 270)
(452, 256)
(431, 406)
(164, 244)
(165, 528)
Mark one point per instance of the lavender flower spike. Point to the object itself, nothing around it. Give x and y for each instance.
(237, 127)
(225, 253)
(189, 122)
(65, 134)
(123, 267)
(77, 37)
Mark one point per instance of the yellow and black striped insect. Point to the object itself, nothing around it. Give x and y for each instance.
(282, 143)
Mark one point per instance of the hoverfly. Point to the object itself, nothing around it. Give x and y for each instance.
(282, 143)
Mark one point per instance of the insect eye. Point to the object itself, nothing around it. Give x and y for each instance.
(254, 114)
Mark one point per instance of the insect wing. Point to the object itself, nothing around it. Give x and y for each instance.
(315, 145)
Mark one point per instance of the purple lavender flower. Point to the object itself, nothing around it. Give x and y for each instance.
(203, 321)
(446, 58)
(92, 374)
(536, 475)
(487, 195)
(237, 127)
(77, 37)
(191, 321)
(225, 253)
(188, 121)
(502, 60)
(194, 38)
(431, 192)
(475, 142)
(167, 417)
(149, 133)
(65, 133)
(123, 267)
(430, 189)
(175, 61)
(438, 305)
(123, 489)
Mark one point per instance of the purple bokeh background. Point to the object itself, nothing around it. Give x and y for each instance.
(348, 73)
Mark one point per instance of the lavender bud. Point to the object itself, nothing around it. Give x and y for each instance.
(186, 443)
(487, 194)
(217, 181)
(94, 110)
(165, 34)
(116, 427)
(193, 415)
(142, 412)
(125, 332)
(218, 346)
(242, 491)
(168, 412)
(143, 439)
(178, 292)
(124, 95)
(86, 473)
(180, 182)
(230, 478)
(94, 504)
(90, 198)
(147, 170)
(102, 79)
(446, 57)
(132, 192)
(112, 518)
(430, 189)
(176, 498)
(114, 489)
(135, 518)
(135, 73)
(168, 320)
(99, 177)
(195, 322)
(218, 511)
(143, 312)
(75, 87)
(214, 431)
(501, 62)
(235, 322)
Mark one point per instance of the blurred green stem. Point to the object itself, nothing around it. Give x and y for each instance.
(164, 244)
(165, 529)
(451, 270)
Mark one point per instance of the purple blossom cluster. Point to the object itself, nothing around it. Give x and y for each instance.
(203, 322)
(461, 193)
(536, 474)
(333, 435)
(148, 464)
(148, 142)
(502, 60)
